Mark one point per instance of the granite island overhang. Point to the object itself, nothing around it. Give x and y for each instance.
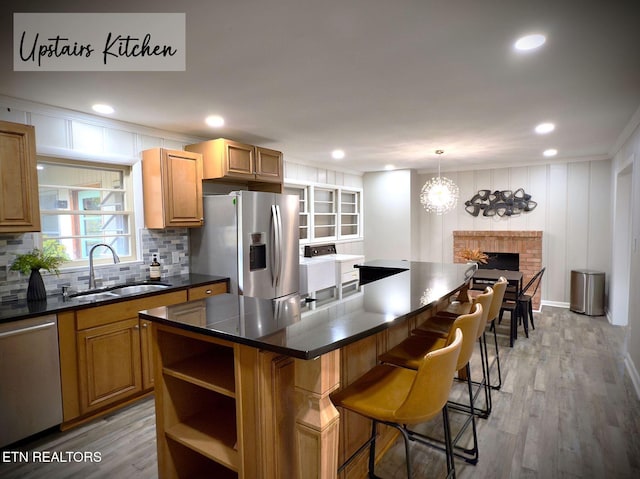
(284, 326)
(243, 382)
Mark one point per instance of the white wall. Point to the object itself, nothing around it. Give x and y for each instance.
(416, 211)
(625, 169)
(574, 213)
(620, 268)
(68, 134)
(389, 208)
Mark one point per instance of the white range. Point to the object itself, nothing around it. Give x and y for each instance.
(325, 268)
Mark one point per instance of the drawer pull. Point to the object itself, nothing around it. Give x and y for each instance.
(208, 291)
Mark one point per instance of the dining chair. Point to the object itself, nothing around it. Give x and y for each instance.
(526, 299)
(398, 397)
(520, 306)
(409, 354)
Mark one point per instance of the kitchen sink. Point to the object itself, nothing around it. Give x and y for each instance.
(137, 289)
(118, 291)
(94, 296)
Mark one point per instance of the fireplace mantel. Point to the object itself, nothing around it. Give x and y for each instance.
(528, 244)
(497, 234)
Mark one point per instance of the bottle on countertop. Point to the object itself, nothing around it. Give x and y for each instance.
(154, 268)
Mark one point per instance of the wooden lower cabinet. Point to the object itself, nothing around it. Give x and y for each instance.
(228, 410)
(202, 292)
(106, 353)
(217, 403)
(109, 364)
(196, 397)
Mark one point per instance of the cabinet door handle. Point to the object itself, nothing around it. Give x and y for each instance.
(136, 327)
(144, 325)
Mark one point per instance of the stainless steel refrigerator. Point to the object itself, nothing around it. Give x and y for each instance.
(251, 237)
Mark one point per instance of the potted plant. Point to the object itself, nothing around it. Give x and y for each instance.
(50, 258)
(473, 255)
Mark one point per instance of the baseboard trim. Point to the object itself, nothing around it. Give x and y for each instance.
(555, 304)
(633, 373)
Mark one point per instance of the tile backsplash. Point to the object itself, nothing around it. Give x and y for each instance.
(171, 246)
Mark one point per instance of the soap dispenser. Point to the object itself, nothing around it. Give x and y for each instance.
(154, 269)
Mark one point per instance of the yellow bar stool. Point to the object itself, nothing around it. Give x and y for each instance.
(399, 396)
(440, 325)
(493, 313)
(409, 354)
(499, 288)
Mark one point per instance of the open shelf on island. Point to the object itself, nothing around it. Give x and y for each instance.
(190, 464)
(196, 406)
(212, 370)
(212, 434)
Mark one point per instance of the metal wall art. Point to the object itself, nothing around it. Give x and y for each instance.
(501, 203)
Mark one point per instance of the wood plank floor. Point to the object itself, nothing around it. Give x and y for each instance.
(567, 409)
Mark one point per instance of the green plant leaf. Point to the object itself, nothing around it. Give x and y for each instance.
(39, 259)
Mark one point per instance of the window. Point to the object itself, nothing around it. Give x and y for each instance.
(83, 204)
(328, 212)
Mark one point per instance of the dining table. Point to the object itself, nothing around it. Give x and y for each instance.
(486, 277)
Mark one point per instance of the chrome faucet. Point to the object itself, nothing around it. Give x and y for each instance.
(92, 276)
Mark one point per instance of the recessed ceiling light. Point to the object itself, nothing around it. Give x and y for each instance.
(215, 121)
(337, 154)
(102, 108)
(544, 128)
(530, 42)
(389, 167)
(550, 152)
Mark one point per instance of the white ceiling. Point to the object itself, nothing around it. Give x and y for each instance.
(386, 81)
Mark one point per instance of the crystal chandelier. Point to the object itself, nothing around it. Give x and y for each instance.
(439, 195)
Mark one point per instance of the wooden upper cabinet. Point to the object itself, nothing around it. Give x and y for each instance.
(236, 160)
(268, 165)
(19, 207)
(172, 188)
(231, 160)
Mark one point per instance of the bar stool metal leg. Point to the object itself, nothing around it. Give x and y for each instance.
(451, 467)
(469, 455)
(372, 451)
(497, 359)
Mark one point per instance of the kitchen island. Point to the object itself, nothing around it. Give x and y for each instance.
(245, 383)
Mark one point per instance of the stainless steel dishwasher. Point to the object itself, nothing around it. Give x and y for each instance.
(30, 393)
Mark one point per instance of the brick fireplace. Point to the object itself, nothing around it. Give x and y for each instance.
(528, 244)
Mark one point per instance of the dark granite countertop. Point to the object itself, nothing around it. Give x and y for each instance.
(285, 326)
(56, 303)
